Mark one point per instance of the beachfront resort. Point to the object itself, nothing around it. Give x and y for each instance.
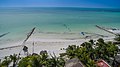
(59, 33)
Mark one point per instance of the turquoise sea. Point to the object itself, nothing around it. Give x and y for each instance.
(20, 20)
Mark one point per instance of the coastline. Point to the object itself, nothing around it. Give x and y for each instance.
(19, 23)
(50, 44)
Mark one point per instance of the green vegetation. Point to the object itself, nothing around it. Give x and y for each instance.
(87, 53)
(8, 60)
(41, 60)
(117, 38)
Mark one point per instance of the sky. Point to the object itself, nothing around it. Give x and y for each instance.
(61, 3)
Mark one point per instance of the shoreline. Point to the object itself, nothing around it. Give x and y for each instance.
(49, 44)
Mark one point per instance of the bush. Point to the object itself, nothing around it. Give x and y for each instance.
(87, 53)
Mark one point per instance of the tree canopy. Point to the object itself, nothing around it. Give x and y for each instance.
(88, 53)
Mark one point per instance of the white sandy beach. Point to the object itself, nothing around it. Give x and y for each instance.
(51, 43)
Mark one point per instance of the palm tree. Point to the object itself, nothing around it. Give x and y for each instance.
(14, 59)
(6, 62)
(30, 61)
(87, 54)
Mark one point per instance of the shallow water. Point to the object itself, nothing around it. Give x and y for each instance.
(19, 21)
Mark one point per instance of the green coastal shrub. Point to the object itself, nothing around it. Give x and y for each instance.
(87, 53)
(41, 60)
